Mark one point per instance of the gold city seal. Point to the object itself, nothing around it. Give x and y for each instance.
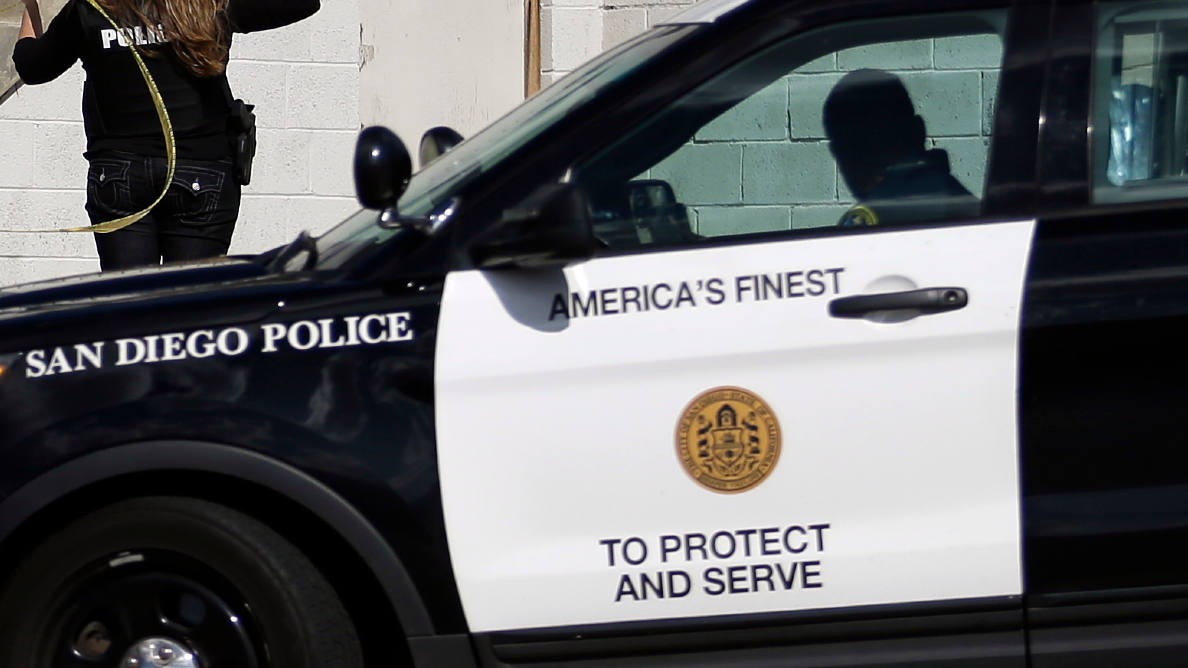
(728, 439)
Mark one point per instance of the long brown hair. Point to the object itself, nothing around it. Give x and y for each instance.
(196, 29)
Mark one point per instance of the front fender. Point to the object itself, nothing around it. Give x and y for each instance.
(248, 466)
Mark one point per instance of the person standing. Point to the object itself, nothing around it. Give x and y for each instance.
(185, 45)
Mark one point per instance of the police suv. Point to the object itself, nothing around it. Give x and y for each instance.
(797, 333)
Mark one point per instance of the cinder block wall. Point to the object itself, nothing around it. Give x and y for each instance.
(304, 81)
(574, 31)
(765, 164)
(774, 143)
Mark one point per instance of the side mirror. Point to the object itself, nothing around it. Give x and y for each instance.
(436, 142)
(382, 168)
(548, 229)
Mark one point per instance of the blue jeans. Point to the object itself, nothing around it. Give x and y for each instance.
(194, 221)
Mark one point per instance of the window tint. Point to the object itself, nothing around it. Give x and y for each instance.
(1142, 98)
(873, 123)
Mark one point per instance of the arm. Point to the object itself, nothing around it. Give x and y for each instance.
(44, 57)
(254, 15)
(31, 23)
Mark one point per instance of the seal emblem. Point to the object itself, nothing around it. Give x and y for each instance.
(859, 216)
(728, 439)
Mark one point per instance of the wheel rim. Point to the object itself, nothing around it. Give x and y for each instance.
(138, 602)
(159, 653)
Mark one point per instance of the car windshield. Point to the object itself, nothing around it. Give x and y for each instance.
(435, 184)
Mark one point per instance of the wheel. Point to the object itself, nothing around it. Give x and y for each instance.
(172, 581)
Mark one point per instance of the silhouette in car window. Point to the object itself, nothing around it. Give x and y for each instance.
(879, 143)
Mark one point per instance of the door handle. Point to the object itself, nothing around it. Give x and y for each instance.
(925, 302)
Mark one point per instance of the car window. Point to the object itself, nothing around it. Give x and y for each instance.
(871, 123)
(1142, 99)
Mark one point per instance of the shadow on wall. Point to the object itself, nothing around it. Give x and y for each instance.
(10, 28)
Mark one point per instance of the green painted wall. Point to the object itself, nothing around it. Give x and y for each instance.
(765, 164)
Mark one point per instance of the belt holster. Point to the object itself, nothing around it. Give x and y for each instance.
(242, 131)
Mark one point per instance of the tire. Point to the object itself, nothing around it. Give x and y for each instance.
(217, 582)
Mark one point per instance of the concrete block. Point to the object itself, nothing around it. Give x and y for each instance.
(619, 25)
(658, 14)
(16, 153)
(282, 163)
(331, 156)
(645, 3)
(721, 221)
(319, 214)
(58, 100)
(334, 32)
(17, 270)
(549, 78)
(967, 160)
(704, 173)
(573, 36)
(826, 63)
(910, 55)
(290, 44)
(804, 217)
(323, 97)
(546, 40)
(949, 102)
(268, 221)
(763, 116)
(58, 155)
(45, 210)
(806, 97)
(989, 97)
(264, 85)
(968, 52)
(573, 3)
(779, 173)
(263, 224)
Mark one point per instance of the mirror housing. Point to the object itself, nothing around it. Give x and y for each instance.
(436, 142)
(382, 168)
(548, 229)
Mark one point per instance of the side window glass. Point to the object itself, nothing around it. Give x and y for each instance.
(1142, 99)
(892, 128)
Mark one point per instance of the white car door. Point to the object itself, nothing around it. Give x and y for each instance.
(886, 468)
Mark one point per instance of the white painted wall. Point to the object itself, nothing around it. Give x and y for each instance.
(42, 180)
(426, 63)
(304, 81)
(574, 31)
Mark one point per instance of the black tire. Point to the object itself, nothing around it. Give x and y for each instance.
(221, 583)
